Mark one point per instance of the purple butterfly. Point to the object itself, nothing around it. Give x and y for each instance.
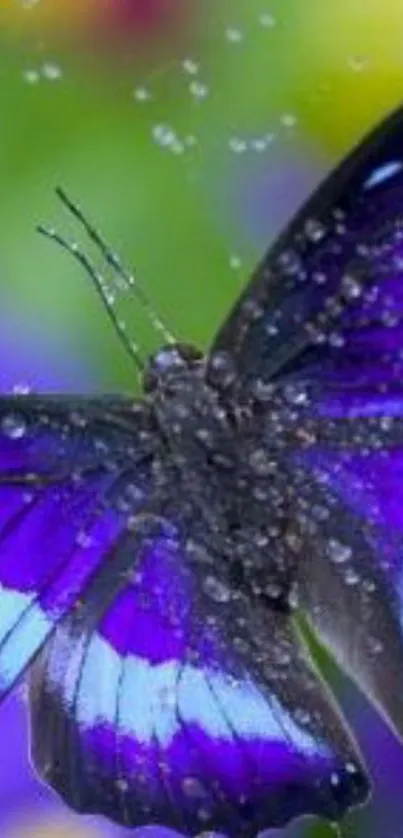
(153, 552)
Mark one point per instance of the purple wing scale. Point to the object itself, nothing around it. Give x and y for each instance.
(59, 510)
(197, 721)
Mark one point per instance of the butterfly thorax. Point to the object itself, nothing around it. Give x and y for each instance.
(231, 479)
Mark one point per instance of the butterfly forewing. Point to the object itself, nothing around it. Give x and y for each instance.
(66, 468)
(313, 303)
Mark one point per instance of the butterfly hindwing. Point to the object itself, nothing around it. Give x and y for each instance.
(64, 466)
(180, 706)
(351, 585)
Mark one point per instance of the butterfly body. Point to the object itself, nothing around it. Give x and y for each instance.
(152, 551)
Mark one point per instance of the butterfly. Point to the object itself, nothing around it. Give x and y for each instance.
(154, 550)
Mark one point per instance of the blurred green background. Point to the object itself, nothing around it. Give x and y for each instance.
(188, 132)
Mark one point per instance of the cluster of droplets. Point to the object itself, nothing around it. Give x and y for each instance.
(165, 135)
(236, 35)
(48, 71)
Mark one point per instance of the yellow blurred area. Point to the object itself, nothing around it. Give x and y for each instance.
(54, 829)
(349, 55)
(36, 13)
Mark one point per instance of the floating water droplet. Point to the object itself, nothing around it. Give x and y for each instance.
(31, 76)
(237, 144)
(289, 120)
(267, 20)
(163, 133)
(190, 66)
(51, 71)
(233, 34)
(358, 63)
(235, 261)
(142, 94)
(198, 89)
(190, 140)
(258, 144)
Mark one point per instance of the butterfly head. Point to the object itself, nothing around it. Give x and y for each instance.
(168, 362)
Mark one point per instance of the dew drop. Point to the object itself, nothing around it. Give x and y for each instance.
(21, 389)
(192, 787)
(295, 394)
(338, 552)
(302, 716)
(273, 590)
(376, 645)
(290, 262)
(351, 577)
(216, 590)
(84, 539)
(13, 425)
(390, 318)
(352, 289)
(314, 230)
(261, 462)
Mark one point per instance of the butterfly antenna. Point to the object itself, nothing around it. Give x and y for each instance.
(112, 259)
(100, 286)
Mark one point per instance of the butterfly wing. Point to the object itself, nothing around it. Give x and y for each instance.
(313, 301)
(68, 466)
(320, 332)
(182, 706)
